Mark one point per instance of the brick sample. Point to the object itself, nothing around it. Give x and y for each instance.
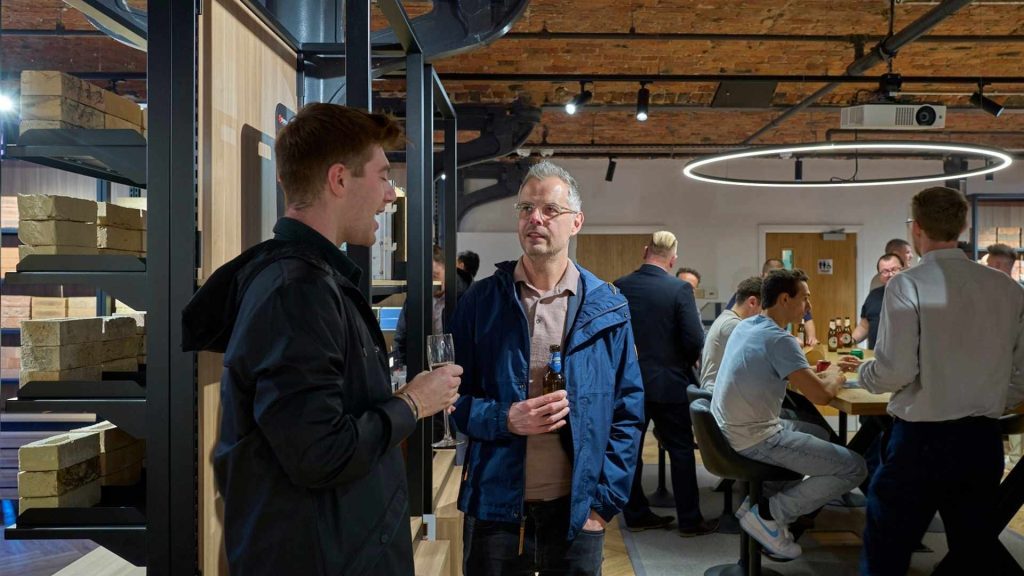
(56, 482)
(58, 452)
(50, 207)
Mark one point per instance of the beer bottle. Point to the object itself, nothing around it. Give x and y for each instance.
(833, 336)
(554, 380)
(847, 338)
(801, 334)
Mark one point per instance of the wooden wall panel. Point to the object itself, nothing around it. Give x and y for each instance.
(611, 256)
(244, 73)
(832, 295)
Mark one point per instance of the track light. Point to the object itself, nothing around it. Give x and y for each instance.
(643, 100)
(6, 103)
(985, 103)
(609, 174)
(798, 170)
(580, 100)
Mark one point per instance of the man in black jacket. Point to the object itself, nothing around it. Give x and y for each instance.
(669, 338)
(308, 459)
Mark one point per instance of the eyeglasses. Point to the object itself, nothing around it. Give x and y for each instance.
(547, 211)
(887, 273)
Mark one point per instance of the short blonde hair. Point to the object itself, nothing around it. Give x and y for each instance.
(663, 243)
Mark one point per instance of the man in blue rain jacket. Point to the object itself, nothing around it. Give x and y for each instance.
(545, 472)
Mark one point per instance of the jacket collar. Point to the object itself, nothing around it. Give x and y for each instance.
(291, 230)
(652, 270)
(944, 254)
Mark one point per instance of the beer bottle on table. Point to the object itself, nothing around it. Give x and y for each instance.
(846, 341)
(833, 336)
(553, 380)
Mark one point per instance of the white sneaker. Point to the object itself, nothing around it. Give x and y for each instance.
(776, 539)
(743, 509)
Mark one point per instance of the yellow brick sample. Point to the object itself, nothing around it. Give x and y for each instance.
(82, 497)
(50, 207)
(57, 233)
(54, 358)
(58, 452)
(55, 482)
(61, 332)
(108, 214)
(118, 238)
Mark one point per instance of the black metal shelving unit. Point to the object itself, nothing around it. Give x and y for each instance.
(113, 155)
(117, 523)
(155, 522)
(123, 276)
(123, 402)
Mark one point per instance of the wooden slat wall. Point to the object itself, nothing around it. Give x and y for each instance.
(244, 73)
(831, 295)
(611, 256)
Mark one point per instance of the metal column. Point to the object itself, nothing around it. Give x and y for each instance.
(420, 203)
(171, 385)
(358, 94)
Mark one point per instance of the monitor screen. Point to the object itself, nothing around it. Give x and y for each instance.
(389, 318)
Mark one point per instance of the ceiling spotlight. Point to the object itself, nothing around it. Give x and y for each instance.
(643, 100)
(985, 103)
(580, 100)
(609, 174)
(6, 104)
(798, 170)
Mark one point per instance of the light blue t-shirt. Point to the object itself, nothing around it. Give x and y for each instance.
(751, 382)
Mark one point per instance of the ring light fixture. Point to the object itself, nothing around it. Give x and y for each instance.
(995, 160)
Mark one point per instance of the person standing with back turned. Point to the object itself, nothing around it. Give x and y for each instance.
(950, 348)
(669, 337)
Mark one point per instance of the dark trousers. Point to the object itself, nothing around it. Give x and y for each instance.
(492, 548)
(676, 435)
(950, 467)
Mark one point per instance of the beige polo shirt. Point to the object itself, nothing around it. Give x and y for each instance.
(548, 467)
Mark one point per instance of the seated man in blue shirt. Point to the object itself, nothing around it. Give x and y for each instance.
(759, 358)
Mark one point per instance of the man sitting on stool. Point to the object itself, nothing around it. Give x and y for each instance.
(760, 356)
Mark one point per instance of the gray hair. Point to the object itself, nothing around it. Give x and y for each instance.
(545, 169)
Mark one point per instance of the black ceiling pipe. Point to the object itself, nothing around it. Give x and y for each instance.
(881, 53)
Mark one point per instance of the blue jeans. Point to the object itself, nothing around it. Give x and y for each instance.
(831, 470)
(953, 468)
(492, 548)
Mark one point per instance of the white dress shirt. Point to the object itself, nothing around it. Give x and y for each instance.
(950, 341)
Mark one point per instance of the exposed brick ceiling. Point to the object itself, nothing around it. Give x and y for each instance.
(681, 114)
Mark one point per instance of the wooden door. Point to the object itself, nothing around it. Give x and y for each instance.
(832, 294)
(611, 256)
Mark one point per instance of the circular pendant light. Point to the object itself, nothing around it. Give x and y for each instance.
(995, 160)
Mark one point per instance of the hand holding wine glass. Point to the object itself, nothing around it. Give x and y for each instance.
(440, 356)
(437, 389)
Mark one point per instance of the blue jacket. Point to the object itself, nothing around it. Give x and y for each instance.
(606, 398)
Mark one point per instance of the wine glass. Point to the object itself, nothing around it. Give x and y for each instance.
(441, 352)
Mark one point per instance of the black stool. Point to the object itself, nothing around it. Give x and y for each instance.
(727, 522)
(721, 460)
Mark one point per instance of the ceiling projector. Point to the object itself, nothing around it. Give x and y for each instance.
(891, 116)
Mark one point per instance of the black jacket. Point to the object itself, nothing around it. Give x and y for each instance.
(668, 332)
(308, 459)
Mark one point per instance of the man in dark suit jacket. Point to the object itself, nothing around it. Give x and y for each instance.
(669, 338)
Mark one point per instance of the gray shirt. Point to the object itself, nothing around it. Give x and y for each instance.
(752, 381)
(950, 341)
(714, 347)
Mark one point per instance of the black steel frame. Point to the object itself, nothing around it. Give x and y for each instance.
(157, 524)
(976, 200)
